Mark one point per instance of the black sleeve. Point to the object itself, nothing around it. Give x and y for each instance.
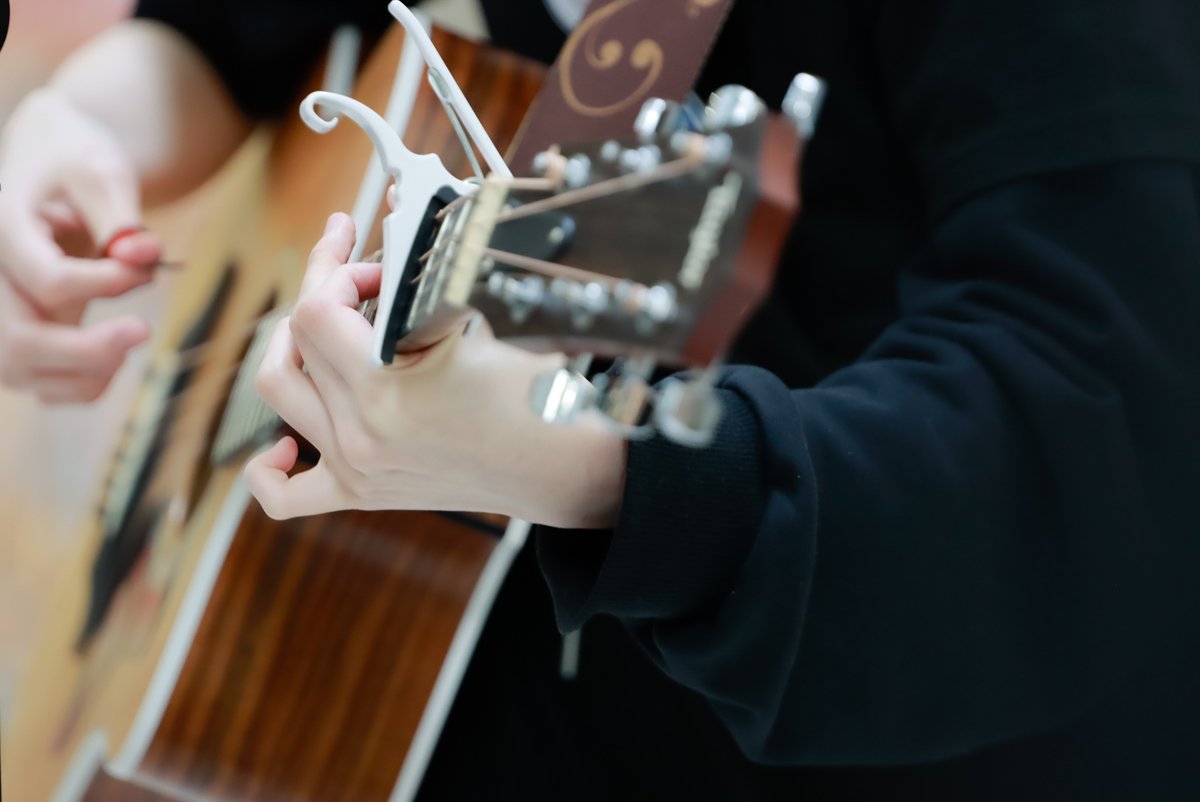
(966, 536)
(975, 531)
(981, 93)
(264, 50)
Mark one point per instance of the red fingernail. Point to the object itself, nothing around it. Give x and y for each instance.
(122, 233)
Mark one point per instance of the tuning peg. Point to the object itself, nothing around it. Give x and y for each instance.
(688, 412)
(732, 107)
(650, 307)
(802, 104)
(578, 171)
(625, 397)
(640, 160)
(585, 302)
(520, 295)
(561, 395)
(660, 119)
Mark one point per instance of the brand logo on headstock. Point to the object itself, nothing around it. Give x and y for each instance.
(706, 236)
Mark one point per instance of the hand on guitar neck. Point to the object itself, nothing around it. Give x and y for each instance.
(448, 428)
(652, 235)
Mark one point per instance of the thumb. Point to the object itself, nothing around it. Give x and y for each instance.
(105, 190)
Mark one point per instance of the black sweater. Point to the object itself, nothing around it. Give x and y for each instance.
(943, 544)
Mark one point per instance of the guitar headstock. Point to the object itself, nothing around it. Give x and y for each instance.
(655, 249)
(648, 250)
(625, 248)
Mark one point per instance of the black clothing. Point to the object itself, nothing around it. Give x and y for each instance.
(942, 549)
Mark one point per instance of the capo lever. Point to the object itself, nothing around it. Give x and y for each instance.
(419, 179)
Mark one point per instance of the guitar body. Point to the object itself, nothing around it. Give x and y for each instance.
(242, 658)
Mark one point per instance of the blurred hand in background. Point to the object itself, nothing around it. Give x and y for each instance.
(66, 179)
(133, 114)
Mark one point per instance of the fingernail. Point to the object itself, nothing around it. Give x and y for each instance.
(128, 336)
(123, 233)
(332, 223)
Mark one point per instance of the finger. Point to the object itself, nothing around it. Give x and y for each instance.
(97, 350)
(62, 217)
(72, 390)
(74, 280)
(356, 283)
(38, 267)
(104, 188)
(282, 383)
(28, 248)
(330, 253)
(331, 312)
(263, 470)
(339, 333)
(340, 400)
(312, 492)
(136, 249)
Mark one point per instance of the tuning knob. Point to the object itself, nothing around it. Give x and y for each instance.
(640, 160)
(578, 171)
(688, 412)
(561, 395)
(732, 107)
(625, 397)
(649, 307)
(521, 295)
(659, 119)
(802, 104)
(584, 302)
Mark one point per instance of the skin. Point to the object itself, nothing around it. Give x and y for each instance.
(137, 115)
(415, 435)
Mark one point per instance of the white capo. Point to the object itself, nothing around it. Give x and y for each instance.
(417, 178)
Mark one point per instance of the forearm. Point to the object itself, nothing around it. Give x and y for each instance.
(160, 99)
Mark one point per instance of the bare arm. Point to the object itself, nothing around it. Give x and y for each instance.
(161, 100)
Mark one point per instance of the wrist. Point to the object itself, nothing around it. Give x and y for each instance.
(569, 476)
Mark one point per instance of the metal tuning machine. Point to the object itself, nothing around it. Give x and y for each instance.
(686, 408)
(803, 102)
(622, 395)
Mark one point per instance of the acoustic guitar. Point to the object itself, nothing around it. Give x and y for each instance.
(200, 650)
(222, 655)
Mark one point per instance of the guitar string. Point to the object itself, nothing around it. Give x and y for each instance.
(193, 357)
(664, 172)
(553, 179)
(552, 269)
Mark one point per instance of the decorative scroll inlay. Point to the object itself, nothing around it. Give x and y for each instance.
(599, 55)
(698, 7)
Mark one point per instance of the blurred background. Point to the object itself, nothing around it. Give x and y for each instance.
(42, 33)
